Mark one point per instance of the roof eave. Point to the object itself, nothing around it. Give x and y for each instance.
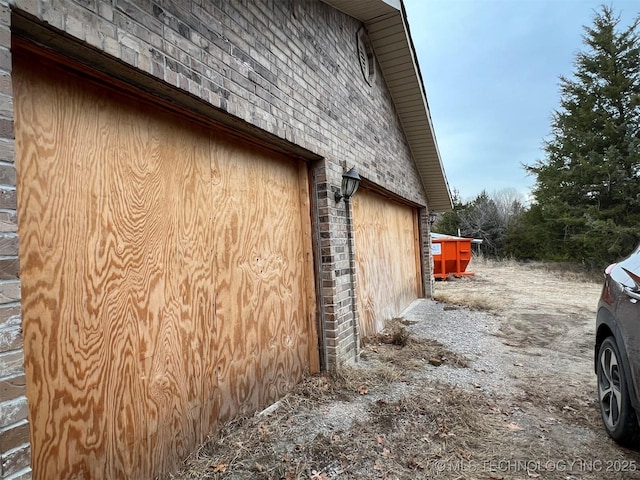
(388, 29)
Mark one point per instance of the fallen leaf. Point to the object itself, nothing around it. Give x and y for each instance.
(386, 453)
(258, 467)
(380, 439)
(316, 475)
(533, 474)
(569, 409)
(363, 390)
(513, 427)
(517, 364)
(378, 466)
(220, 468)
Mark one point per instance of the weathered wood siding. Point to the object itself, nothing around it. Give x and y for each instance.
(388, 275)
(166, 278)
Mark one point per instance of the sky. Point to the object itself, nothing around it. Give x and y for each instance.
(491, 71)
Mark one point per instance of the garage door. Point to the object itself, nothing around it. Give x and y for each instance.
(388, 272)
(166, 277)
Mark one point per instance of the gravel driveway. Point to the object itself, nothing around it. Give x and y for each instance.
(502, 390)
(532, 352)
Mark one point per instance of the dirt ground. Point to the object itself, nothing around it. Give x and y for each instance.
(493, 380)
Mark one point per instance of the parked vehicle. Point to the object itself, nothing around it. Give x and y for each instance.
(617, 350)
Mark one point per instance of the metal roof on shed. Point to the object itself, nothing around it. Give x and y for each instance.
(388, 29)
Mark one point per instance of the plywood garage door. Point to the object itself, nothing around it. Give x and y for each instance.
(165, 277)
(387, 259)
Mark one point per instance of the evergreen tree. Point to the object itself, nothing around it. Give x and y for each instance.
(448, 223)
(587, 187)
(528, 237)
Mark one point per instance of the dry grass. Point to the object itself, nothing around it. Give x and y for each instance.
(395, 438)
(460, 291)
(413, 435)
(484, 261)
(470, 300)
(394, 346)
(350, 425)
(385, 419)
(333, 428)
(562, 400)
(415, 355)
(569, 272)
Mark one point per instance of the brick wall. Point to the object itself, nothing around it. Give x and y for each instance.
(287, 69)
(427, 258)
(14, 429)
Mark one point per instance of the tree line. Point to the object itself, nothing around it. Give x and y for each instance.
(585, 203)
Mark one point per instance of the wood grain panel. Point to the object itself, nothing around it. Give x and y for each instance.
(260, 264)
(164, 277)
(387, 273)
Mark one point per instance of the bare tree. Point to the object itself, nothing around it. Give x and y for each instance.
(490, 217)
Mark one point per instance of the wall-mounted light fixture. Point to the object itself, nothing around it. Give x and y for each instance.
(433, 216)
(350, 182)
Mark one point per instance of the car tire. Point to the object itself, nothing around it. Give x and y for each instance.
(618, 415)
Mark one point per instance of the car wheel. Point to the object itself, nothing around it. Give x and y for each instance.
(615, 406)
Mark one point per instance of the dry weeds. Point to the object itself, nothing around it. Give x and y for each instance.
(396, 347)
(387, 418)
(396, 438)
(574, 407)
(470, 300)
